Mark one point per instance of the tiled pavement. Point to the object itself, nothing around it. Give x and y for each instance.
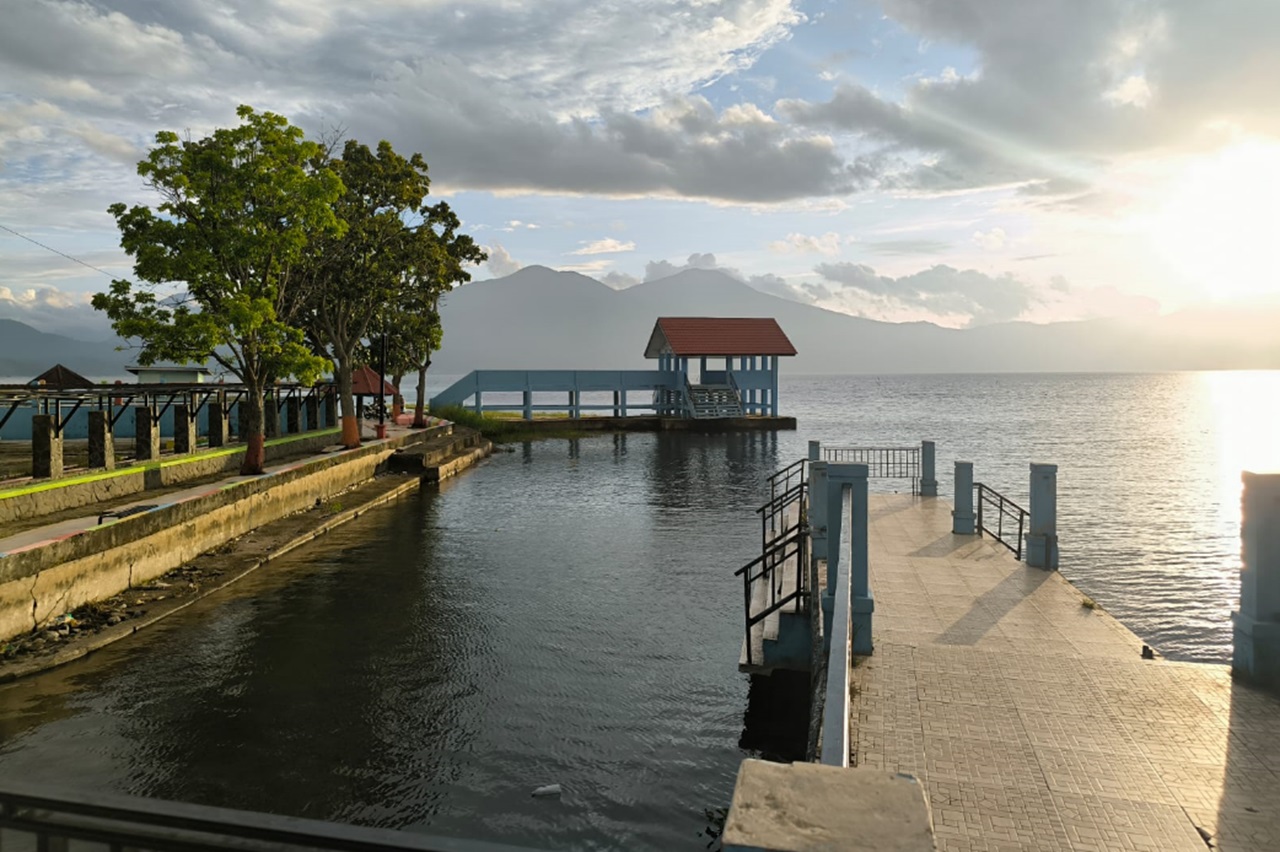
(1033, 721)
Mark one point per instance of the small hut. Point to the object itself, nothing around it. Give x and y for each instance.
(750, 347)
(59, 377)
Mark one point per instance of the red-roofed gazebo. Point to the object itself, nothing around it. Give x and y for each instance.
(750, 347)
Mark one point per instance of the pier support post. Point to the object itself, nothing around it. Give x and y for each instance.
(1256, 626)
(270, 415)
(962, 515)
(46, 447)
(102, 444)
(1042, 539)
(184, 429)
(331, 407)
(479, 407)
(928, 470)
(146, 433)
(815, 451)
(847, 542)
(292, 414)
(217, 408)
(311, 406)
(527, 403)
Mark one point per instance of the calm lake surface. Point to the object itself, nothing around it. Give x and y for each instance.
(567, 613)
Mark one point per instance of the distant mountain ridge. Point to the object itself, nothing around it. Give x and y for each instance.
(27, 352)
(542, 318)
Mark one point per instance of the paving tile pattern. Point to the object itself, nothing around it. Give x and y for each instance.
(1033, 721)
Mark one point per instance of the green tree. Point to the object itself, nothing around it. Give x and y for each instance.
(366, 278)
(216, 259)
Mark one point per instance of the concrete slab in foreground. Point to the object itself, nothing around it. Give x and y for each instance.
(1033, 721)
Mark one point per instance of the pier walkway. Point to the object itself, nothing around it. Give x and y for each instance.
(1032, 719)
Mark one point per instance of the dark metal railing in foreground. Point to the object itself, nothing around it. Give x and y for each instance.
(769, 569)
(43, 819)
(881, 462)
(786, 488)
(1007, 514)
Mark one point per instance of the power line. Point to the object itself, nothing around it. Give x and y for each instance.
(55, 251)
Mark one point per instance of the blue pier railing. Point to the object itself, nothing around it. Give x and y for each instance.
(648, 391)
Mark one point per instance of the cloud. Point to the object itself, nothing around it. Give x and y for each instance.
(588, 267)
(992, 240)
(56, 311)
(909, 247)
(606, 246)
(940, 290)
(500, 262)
(828, 243)
(619, 280)
(655, 269)
(516, 224)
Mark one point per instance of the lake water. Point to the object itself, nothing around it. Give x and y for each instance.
(567, 613)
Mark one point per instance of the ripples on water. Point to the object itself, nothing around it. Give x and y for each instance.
(567, 613)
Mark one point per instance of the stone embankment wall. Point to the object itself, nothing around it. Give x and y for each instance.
(47, 497)
(46, 581)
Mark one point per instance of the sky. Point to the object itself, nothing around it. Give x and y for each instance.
(964, 162)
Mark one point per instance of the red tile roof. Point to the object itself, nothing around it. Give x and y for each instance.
(696, 336)
(364, 382)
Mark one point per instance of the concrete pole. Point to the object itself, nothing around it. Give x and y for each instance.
(292, 414)
(1042, 539)
(312, 407)
(962, 516)
(526, 402)
(1256, 654)
(102, 444)
(815, 451)
(861, 603)
(184, 430)
(928, 470)
(146, 434)
(818, 517)
(46, 447)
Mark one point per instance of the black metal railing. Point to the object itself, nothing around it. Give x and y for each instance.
(45, 819)
(786, 487)
(769, 570)
(1007, 514)
(881, 462)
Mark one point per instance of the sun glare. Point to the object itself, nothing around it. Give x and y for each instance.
(1220, 227)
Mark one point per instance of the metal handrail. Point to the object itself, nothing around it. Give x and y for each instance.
(773, 514)
(55, 816)
(881, 462)
(797, 469)
(1005, 508)
(793, 542)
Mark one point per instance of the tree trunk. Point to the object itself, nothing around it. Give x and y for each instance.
(255, 453)
(346, 400)
(397, 399)
(419, 408)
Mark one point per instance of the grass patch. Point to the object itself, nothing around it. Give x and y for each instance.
(1088, 603)
(501, 428)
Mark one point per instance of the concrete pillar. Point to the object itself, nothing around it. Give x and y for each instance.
(528, 405)
(928, 470)
(46, 447)
(773, 393)
(575, 411)
(102, 444)
(217, 408)
(242, 421)
(818, 509)
(962, 515)
(479, 408)
(270, 415)
(331, 408)
(617, 404)
(815, 450)
(862, 604)
(146, 433)
(1042, 538)
(292, 414)
(184, 429)
(312, 408)
(1256, 653)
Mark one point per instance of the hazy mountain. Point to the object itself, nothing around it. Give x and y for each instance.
(26, 352)
(541, 318)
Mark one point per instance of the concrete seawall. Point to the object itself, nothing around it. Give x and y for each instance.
(44, 581)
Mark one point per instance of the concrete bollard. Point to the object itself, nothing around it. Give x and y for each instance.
(962, 521)
(46, 447)
(815, 451)
(311, 407)
(146, 434)
(292, 414)
(928, 470)
(184, 430)
(218, 431)
(1256, 626)
(102, 444)
(1042, 537)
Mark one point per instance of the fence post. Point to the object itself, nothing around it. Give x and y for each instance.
(146, 433)
(962, 515)
(46, 447)
(1256, 652)
(815, 451)
(1042, 538)
(102, 444)
(184, 429)
(928, 472)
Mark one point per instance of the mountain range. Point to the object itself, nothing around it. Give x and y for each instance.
(543, 318)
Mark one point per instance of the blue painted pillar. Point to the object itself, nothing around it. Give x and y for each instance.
(815, 451)
(527, 404)
(817, 509)
(862, 604)
(962, 515)
(479, 402)
(702, 369)
(1042, 538)
(773, 394)
(928, 470)
(1256, 652)
(622, 397)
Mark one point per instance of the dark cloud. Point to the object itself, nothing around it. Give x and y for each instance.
(940, 290)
